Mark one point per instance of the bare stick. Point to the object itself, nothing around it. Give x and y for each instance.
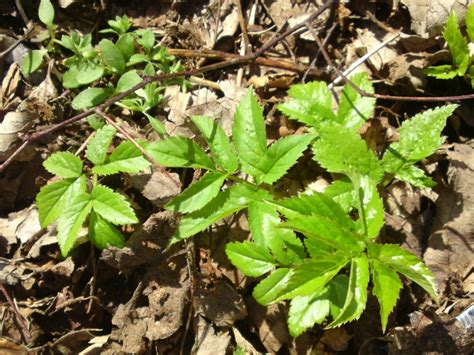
(380, 96)
(19, 318)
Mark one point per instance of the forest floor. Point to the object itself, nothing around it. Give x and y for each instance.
(190, 298)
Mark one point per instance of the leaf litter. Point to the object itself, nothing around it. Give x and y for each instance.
(145, 297)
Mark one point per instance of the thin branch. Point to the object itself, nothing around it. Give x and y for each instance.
(19, 317)
(380, 96)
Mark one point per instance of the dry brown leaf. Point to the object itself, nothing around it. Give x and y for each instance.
(12, 125)
(208, 340)
(451, 245)
(429, 16)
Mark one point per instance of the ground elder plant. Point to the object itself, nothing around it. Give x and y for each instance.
(319, 251)
(79, 198)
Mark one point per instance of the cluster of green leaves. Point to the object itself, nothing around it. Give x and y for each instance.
(460, 50)
(111, 67)
(78, 196)
(320, 249)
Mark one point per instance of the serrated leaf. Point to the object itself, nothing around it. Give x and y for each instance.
(53, 197)
(356, 297)
(342, 150)
(112, 56)
(198, 194)
(442, 72)
(419, 138)
(250, 258)
(99, 144)
(355, 109)
(306, 311)
(269, 288)
(71, 221)
(387, 286)
(326, 231)
(264, 224)
(222, 150)
(415, 176)
(249, 134)
(46, 12)
(369, 205)
(404, 262)
(112, 206)
(457, 43)
(337, 291)
(223, 205)
(64, 164)
(316, 249)
(311, 103)
(102, 233)
(127, 81)
(126, 158)
(315, 204)
(89, 98)
(342, 192)
(470, 22)
(177, 152)
(281, 156)
(32, 61)
(312, 275)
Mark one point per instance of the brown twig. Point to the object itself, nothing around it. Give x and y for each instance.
(19, 318)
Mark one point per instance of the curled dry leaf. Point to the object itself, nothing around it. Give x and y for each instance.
(13, 124)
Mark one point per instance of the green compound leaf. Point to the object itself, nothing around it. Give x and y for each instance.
(281, 156)
(457, 44)
(198, 194)
(311, 276)
(341, 150)
(178, 152)
(127, 81)
(234, 199)
(126, 158)
(253, 260)
(356, 297)
(102, 233)
(387, 286)
(46, 12)
(268, 289)
(326, 231)
(64, 164)
(99, 144)
(342, 192)
(315, 204)
(337, 290)
(370, 207)
(112, 206)
(71, 221)
(89, 98)
(52, 198)
(265, 224)
(311, 103)
(249, 135)
(355, 109)
(306, 311)
(404, 262)
(112, 56)
(415, 176)
(222, 150)
(32, 61)
(419, 138)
